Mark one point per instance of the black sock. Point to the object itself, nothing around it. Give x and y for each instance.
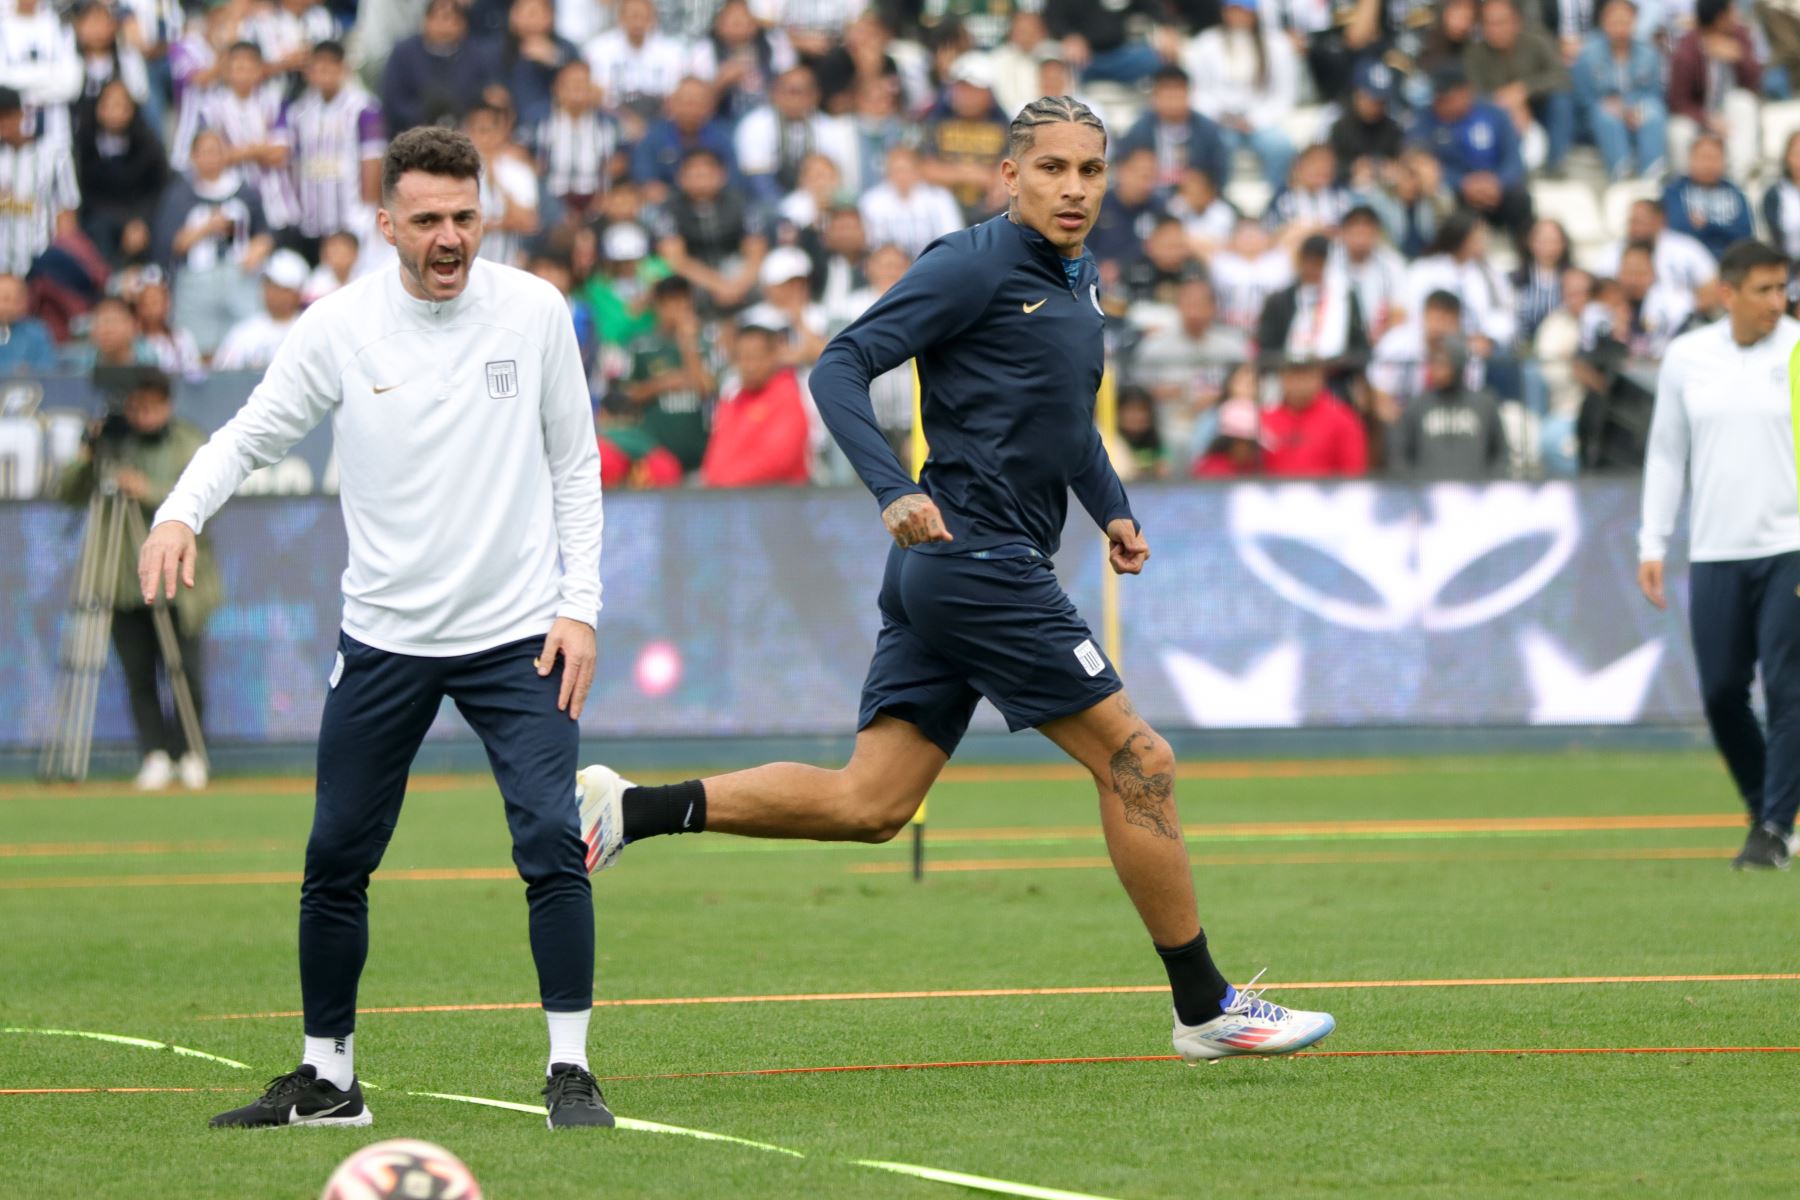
(1199, 988)
(675, 808)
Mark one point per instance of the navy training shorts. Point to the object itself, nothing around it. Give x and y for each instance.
(955, 628)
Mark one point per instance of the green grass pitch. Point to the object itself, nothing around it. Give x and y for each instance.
(1475, 892)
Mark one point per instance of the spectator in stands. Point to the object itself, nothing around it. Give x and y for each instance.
(802, 211)
(151, 27)
(1397, 375)
(1714, 80)
(1781, 202)
(689, 123)
(772, 141)
(25, 345)
(1619, 83)
(1183, 360)
(861, 58)
(1168, 260)
(577, 142)
(1520, 69)
(876, 127)
(760, 434)
(672, 380)
(1016, 61)
(1375, 271)
(1706, 204)
(1317, 318)
(1412, 199)
(1366, 138)
(1537, 283)
(151, 451)
(1096, 36)
(211, 234)
(286, 31)
(1312, 200)
(618, 294)
(1247, 80)
(1451, 432)
(247, 116)
(1236, 451)
(840, 258)
(635, 64)
(112, 340)
(787, 305)
(1311, 433)
(121, 168)
(530, 56)
(1179, 137)
(1682, 261)
(814, 26)
(1138, 451)
(1649, 314)
(438, 73)
(335, 140)
(1128, 214)
(1455, 28)
(1249, 270)
(741, 59)
(175, 351)
(1477, 145)
(37, 179)
(39, 61)
(1554, 352)
(713, 238)
(106, 57)
(906, 210)
(1205, 215)
(1458, 262)
(891, 393)
(338, 255)
(509, 184)
(252, 342)
(965, 139)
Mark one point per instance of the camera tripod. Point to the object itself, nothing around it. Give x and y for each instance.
(112, 517)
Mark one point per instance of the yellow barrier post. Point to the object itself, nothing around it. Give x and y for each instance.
(1106, 415)
(919, 451)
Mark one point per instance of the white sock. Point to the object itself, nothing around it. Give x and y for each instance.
(568, 1037)
(334, 1059)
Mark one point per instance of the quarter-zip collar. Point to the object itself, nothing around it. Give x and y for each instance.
(434, 310)
(1042, 247)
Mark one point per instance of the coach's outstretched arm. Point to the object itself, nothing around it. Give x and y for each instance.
(574, 460)
(295, 394)
(933, 302)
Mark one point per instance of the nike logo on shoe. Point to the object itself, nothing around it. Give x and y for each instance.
(296, 1117)
(1031, 308)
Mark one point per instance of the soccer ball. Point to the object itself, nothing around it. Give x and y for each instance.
(402, 1169)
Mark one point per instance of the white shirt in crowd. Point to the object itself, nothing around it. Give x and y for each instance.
(1680, 260)
(465, 453)
(37, 181)
(1722, 420)
(1379, 282)
(1397, 367)
(624, 72)
(757, 143)
(38, 60)
(913, 221)
(1223, 65)
(251, 343)
(505, 179)
(1244, 284)
(1489, 308)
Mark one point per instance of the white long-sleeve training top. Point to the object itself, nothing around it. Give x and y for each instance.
(1722, 420)
(466, 458)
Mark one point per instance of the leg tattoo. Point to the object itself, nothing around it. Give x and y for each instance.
(1146, 797)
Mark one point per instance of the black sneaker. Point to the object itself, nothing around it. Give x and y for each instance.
(299, 1098)
(572, 1097)
(1766, 849)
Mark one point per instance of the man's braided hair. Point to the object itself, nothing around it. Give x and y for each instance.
(1050, 110)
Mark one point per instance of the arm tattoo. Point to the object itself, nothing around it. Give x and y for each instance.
(1147, 798)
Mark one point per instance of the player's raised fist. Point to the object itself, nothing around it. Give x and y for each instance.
(1127, 549)
(914, 520)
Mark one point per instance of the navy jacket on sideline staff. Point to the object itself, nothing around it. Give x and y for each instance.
(1010, 357)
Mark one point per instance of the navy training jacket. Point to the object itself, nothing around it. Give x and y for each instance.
(1010, 357)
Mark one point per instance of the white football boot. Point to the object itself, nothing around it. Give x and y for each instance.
(1251, 1025)
(601, 794)
(157, 773)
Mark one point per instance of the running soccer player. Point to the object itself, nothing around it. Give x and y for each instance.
(1722, 421)
(1004, 320)
(466, 453)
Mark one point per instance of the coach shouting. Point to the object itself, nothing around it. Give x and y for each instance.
(468, 467)
(1722, 420)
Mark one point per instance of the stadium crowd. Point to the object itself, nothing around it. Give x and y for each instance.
(1444, 240)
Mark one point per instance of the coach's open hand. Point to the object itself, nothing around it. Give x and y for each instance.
(914, 519)
(169, 549)
(574, 640)
(1128, 551)
(1650, 582)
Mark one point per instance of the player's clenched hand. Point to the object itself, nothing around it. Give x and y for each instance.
(1650, 582)
(1126, 550)
(574, 640)
(915, 519)
(168, 551)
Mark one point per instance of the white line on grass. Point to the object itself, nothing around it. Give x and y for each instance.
(145, 1043)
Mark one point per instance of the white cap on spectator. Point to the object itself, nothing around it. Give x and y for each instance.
(624, 242)
(785, 263)
(287, 269)
(973, 68)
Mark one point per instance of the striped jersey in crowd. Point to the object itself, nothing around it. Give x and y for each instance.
(328, 142)
(241, 121)
(575, 151)
(38, 59)
(37, 182)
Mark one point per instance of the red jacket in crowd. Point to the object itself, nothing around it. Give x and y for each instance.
(1324, 438)
(760, 437)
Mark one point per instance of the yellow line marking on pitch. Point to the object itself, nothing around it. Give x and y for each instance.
(1320, 858)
